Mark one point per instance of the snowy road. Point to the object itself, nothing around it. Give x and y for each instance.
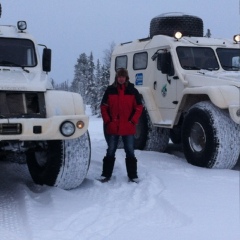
(174, 200)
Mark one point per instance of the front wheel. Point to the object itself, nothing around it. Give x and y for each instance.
(210, 138)
(60, 163)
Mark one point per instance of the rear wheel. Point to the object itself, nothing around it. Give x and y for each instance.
(210, 138)
(175, 135)
(60, 163)
(157, 138)
(141, 131)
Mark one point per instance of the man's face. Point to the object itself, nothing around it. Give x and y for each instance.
(121, 79)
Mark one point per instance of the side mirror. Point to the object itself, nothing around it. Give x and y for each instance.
(166, 64)
(46, 59)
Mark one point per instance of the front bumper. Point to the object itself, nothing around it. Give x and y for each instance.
(47, 128)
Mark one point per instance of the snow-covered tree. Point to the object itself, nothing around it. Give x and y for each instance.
(90, 81)
(79, 83)
(90, 85)
(98, 83)
(107, 55)
(62, 86)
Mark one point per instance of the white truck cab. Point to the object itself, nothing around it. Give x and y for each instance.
(190, 86)
(48, 128)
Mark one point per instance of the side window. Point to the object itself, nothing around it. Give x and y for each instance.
(121, 62)
(236, 61)
(140, 61)
(165, 64)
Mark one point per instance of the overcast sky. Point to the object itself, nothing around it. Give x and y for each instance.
(71, 27)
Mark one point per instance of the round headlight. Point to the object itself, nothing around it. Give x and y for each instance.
(238, 113)
(22, 25)
(236, 38)
(67, 129)
(178, 35)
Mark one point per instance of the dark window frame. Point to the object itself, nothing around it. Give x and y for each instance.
(118, 57)
(134, 59)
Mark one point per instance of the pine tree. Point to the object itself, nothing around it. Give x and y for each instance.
(107, 55)
(90, 86)
(79, 83)
(98, 88)
(91, 82)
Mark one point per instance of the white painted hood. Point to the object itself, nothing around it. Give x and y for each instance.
(16, 79)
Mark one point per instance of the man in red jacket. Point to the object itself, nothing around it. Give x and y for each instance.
(121, 108)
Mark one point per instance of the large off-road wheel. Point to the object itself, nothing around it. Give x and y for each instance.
(169, 24)
(210, 138)
(60, 163)
(175, 135)
(157, 138)
(141, 131)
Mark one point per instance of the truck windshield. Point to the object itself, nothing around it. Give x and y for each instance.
(196, 58)
(17, 53)
(229, 58)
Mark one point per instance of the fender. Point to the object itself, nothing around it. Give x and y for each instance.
(224, 97)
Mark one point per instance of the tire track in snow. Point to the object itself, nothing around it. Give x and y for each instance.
(13, 212)
(121, 204)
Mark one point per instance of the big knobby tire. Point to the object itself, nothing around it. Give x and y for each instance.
(157, 138)
(169, 24)
(62, 163)
(147, 137)
(175, 135)
(141, 131)
(210, 137)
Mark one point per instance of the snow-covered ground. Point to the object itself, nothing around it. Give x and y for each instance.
(173, 201)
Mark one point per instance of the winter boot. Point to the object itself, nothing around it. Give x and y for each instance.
(131, 165)
(108, 164)
(103, 179)
(134, 180)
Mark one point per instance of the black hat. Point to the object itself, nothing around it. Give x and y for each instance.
(122, 72)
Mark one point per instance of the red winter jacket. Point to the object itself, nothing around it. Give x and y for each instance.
(121, 108)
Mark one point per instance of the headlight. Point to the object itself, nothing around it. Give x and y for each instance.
(236, 38)
(22, 25)
(67, 129)
(238, 113)
(178, 35)
(80, 124)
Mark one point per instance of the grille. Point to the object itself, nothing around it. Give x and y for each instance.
(22, 105)
(10, 128)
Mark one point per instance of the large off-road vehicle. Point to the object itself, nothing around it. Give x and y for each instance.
(190, 86)
(45, 127)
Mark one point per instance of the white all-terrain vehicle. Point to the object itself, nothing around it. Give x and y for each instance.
(190, 86)
(46, 127)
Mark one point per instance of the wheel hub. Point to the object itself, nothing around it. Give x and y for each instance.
(197, 138)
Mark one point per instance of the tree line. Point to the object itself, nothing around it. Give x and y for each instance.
(90, 79)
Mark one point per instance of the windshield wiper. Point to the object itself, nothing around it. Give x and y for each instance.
(191, 68)
(234, 68)
(12, 64)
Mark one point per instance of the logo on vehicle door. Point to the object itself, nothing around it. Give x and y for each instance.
(164, 90)
(139, 79)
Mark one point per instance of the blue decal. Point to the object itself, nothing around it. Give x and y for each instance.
(139, 79)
